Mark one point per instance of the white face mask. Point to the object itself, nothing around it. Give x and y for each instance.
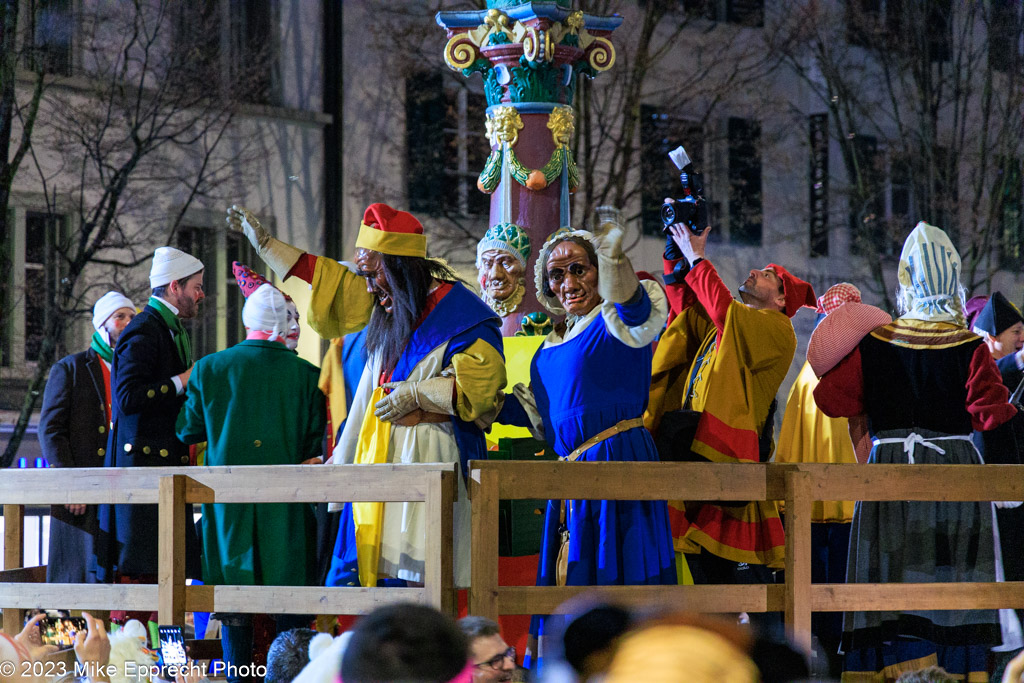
(292, 340)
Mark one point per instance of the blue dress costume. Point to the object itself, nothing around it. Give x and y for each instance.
(582, 385)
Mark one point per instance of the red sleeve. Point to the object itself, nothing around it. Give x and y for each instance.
(987, 396)
(840, 392)
(303, 268)
(711, 292)
(679, 295)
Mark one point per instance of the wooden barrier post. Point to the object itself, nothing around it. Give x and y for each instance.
(171, 549)
(798, 558)
(438, 573)
(14, 558)
(483, 589)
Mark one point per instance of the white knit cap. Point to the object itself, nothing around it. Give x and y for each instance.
(171, 264)
(106, 305)
(265, 310)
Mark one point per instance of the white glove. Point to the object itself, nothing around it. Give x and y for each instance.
(434, 395)
(281, 257)
(616, 281)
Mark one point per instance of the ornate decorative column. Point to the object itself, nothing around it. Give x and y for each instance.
(529, 55)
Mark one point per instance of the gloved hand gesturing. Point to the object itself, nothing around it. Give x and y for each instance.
(277, 254)
(617, 281)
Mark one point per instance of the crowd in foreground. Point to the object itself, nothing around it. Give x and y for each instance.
(409, 643)
(697, 373)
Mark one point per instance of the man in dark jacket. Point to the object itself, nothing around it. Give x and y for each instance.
(152, 364)
(73, 429)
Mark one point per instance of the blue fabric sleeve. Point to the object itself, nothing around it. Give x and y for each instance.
(637, 310)
(513, 413)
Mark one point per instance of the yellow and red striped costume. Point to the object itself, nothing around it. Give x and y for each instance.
(737, 357)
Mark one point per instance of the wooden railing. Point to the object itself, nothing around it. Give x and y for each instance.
(798, 485)
(172, 487)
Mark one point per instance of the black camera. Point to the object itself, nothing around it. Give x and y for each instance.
(691, 209)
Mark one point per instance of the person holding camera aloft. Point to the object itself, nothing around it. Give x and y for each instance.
(716, 371)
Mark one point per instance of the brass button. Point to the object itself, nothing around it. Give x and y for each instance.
(150, 393)
(146, 449)
(257, 443)
(351, 583)
(164, 453)
(127, 448)
(101, 451)
(184, 460)
(164, 388)
(103, 429)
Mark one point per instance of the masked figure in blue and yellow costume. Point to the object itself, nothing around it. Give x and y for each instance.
(588, 414)
(435, 366)
(924, 381)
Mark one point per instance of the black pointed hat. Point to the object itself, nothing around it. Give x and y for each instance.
(998, 315)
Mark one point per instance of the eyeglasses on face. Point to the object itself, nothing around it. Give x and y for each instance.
(577, 270)
(498, 660)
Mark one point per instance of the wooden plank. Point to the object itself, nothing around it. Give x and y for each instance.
(297, 599)
(628, 480)
(879, 597)
(483, 588)
(24, 575)
(438, 573)
(14, 558)
(707, 598)
(171, 550)
(798, 559)
(131, 597)
(268, 484)
(903, 482)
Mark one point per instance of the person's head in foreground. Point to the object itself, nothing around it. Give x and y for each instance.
(406, 643)
(932, 674)
(490, 655)
(288, 655)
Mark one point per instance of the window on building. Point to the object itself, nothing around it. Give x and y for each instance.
(52, 29)
(219, 322)
(254, 49)
(197, 38)
(1005, 31)
(741, 12)
(885, 24)
(1010, 193)
(818, 181)
(745, 206)
(42, 230)
(660, 133)
(446, 147)
(882, 203)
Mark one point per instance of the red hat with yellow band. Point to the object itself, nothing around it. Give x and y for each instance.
(390, 231)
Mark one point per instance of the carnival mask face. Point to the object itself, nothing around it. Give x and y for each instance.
(500, 273)
(369, 265)
(573, 278)
(292, 340)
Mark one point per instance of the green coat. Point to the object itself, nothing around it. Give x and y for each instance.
(256, 403)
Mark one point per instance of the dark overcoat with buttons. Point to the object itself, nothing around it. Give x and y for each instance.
(73, 433)
(144, 407)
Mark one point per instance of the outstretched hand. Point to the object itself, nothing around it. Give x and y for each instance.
(240, 219)
(609, 235)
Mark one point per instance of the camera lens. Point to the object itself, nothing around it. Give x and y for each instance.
(668, 214)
